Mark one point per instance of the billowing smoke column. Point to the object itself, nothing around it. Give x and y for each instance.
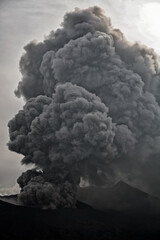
(92, 111)
(67, 136)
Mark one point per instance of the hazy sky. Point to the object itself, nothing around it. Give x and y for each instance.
(24, 20)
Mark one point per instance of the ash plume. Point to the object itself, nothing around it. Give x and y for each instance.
(67, 136)
(92, 111)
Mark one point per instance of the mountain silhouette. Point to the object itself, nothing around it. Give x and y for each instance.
(121, 197)
(128, 213)
(83, 222)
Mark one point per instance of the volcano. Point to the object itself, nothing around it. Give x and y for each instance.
(121, 197)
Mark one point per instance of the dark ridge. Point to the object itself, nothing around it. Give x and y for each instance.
(121, 197)
(81, 205)
(83, 222)
(123, 186)
(9, 198)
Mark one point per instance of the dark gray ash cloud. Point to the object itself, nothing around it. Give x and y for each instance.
(92, 111)
(68, 136)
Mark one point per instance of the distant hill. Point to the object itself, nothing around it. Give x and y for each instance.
(10, 199)
(121, 197)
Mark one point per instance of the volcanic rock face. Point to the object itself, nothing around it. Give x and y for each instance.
(92, 111)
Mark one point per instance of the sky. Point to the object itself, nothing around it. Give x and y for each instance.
(24, 20)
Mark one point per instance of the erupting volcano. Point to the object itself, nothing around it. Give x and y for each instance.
(92, 112)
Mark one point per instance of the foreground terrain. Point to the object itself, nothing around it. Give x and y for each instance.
(82, 222)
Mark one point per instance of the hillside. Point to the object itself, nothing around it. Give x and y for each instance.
(121, 197)
(83, 222)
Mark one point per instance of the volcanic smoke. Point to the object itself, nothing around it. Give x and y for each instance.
(92, 111)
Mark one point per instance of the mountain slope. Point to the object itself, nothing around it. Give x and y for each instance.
(83, 222)
(128, 213)
(119, 197)
(10, 199)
